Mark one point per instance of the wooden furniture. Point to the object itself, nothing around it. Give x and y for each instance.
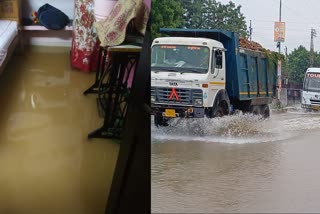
(10, 10)
(113, 88)
(69, 27)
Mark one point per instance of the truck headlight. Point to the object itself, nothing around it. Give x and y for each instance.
(198, 102)
(153, 99)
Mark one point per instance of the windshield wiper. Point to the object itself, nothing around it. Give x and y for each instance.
(191, 71)
(171, 69)
(165, 69)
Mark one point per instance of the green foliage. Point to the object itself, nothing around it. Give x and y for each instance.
(298, 63)
(197, 14)
(194, 13)
(210, 14)
(273, 56)
(166, 14)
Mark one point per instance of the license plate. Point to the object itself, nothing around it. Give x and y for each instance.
(170, 113)
(315, 107)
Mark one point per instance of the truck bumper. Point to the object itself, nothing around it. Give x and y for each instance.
(310, 107)
(178, 111)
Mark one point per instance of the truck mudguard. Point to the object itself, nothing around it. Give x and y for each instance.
(221, 96)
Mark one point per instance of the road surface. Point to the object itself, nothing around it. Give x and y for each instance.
(237, 164)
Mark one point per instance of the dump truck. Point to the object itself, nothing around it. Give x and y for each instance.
(205, 73)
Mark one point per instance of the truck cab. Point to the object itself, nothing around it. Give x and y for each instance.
(310, 97)
(186, 75)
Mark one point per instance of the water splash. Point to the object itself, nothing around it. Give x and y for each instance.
(238, 129)
(299, 110)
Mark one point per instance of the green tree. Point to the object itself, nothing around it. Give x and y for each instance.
(166, 14)
(298, 63)
(210, 14)
(193, 13)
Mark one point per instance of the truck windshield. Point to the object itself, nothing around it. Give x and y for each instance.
(312, 82)
(180, 58)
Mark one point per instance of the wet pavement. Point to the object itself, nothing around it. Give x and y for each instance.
(238, 164)
(47, 164)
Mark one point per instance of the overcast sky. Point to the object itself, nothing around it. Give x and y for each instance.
(300, 16)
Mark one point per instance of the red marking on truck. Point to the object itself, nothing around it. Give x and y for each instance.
(174, 93)
(315, 75)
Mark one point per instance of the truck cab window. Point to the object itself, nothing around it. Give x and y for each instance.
(180, 58)
(218, 59)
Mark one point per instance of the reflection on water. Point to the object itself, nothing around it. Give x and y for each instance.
(237, 164)
(47, 164)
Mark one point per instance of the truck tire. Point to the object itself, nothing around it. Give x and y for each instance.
(160, 121)
(265, 111)
(219, 112)
(255, 110)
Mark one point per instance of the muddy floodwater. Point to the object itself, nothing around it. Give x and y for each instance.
(47, 163)
(237, 164)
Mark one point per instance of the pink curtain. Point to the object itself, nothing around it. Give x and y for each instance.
(85, 42)
(148, 3)
(85, 45)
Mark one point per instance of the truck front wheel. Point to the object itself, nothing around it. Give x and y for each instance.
(218, 112)
(160, 121)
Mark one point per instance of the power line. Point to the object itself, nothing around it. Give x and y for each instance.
(300, 14)
(291, 22)
(287, 30)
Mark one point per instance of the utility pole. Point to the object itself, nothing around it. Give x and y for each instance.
(313, 34)
(286, 61)
(279, 61)
(280, 21)
(286, 51)
(250, 32)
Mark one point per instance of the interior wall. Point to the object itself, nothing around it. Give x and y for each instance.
(47, 38)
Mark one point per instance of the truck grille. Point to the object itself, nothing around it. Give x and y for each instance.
(186, 95)
(315, 102)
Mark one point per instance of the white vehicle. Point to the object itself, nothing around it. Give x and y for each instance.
(208, 76)
(310, 96)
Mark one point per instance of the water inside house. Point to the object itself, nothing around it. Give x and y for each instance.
(47, 163)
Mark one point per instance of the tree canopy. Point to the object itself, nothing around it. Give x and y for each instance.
(298, 63)
(166, 14)
(210, 14)
(197, 14)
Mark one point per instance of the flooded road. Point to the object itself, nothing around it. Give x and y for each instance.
(238, 164)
